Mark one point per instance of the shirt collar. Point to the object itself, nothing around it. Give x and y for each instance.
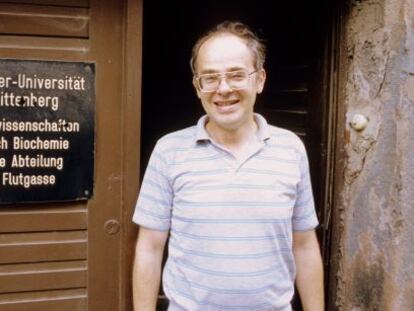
(201, 133)
(262, 133)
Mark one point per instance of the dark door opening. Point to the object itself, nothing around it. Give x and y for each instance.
(295, 91)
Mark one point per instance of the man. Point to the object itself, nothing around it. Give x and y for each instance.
(232, 193)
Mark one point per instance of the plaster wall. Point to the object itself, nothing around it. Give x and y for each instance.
(376, 262)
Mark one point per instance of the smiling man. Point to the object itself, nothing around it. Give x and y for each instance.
(233, 195)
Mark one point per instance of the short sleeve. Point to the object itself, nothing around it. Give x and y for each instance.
(304, 214)
(153, 208)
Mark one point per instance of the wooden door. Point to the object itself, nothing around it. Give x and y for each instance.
(77, 255)
(295, 94)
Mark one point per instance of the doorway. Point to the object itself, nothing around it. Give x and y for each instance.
(295, 95)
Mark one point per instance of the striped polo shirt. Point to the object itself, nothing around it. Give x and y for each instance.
(230, 219)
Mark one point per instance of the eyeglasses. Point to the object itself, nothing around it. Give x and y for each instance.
(236, 80)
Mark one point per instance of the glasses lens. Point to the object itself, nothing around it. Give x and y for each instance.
(209, 82)
(236, 79)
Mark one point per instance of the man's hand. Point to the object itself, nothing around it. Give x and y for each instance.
(147, 268)
(309, 276)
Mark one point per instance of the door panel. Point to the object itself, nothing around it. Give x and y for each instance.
(37, 239)
(67, 256)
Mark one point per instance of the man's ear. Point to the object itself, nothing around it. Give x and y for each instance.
(261, 79)
(195, 84)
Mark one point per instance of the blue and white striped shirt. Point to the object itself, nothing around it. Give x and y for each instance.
(230, 220)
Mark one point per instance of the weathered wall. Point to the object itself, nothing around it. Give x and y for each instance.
(376, 266)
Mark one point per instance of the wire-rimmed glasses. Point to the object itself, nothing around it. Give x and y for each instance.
(236, 80)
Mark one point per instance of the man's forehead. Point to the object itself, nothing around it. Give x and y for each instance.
(224, 52)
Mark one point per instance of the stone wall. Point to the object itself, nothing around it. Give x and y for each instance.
(376, 246)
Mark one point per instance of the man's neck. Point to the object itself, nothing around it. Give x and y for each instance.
(233, 139)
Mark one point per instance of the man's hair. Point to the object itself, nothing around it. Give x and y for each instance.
(238, 29)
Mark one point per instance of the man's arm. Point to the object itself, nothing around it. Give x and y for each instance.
(309, 277)
(147, 268)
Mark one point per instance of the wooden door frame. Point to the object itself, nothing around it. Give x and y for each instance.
(335, 161)
(131, 142)
(104, 248)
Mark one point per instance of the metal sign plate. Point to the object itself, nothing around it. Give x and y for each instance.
(47, 121)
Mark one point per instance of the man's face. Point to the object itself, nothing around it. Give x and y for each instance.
(227, 108)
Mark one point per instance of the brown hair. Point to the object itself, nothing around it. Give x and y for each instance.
(238, 29)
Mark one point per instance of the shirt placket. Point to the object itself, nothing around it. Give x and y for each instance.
(235, 164)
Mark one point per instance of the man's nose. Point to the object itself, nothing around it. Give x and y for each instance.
(223, 86)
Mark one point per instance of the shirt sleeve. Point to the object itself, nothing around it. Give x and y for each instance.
(153, 208)
(304, 214)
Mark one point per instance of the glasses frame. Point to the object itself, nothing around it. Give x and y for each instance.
(221, 76)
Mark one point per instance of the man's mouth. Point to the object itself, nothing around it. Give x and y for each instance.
(226, 106)
(226, 103)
